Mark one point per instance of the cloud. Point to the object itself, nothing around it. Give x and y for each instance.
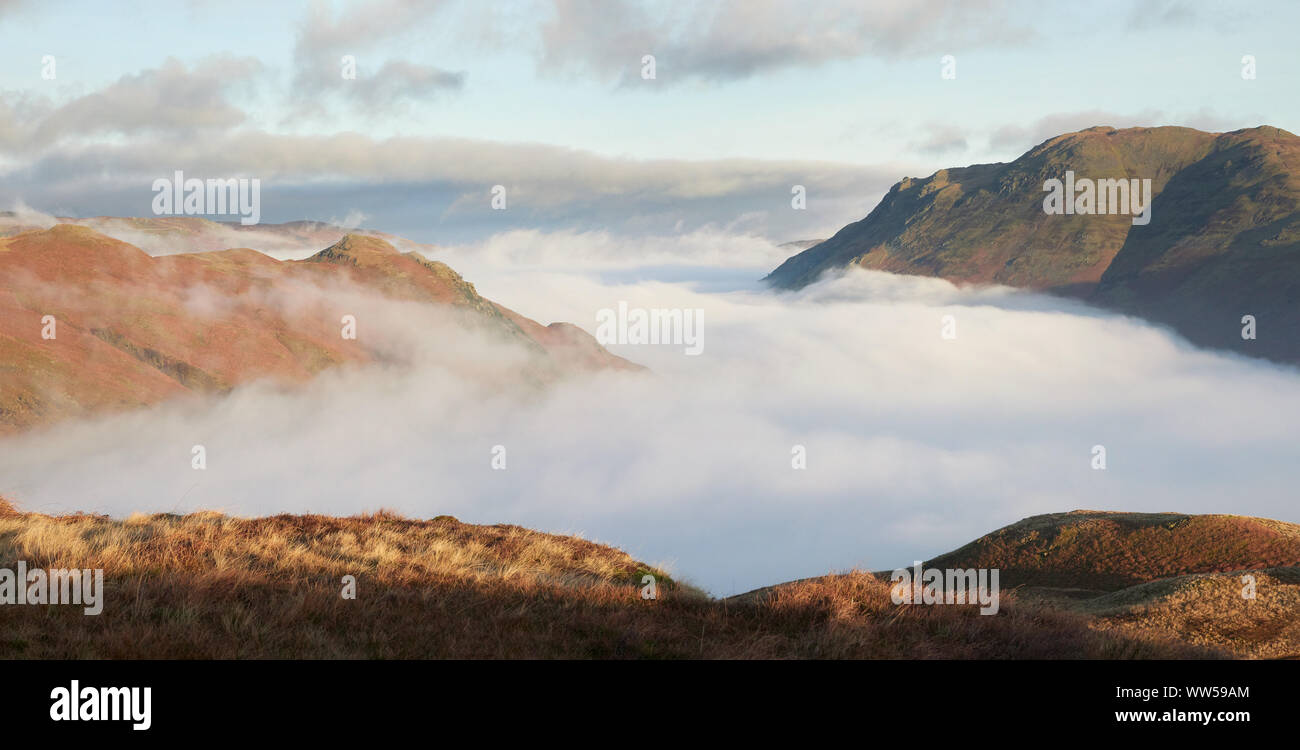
(1023, 137)
(171, 100)
(734, 39)
(915, 444)
(21, 217)
(324, 40)
(1156, 14)
(439, 189)
(399, 80)
(941, 139)
(600, 250)
(352, 220)
(1224, 18)
(369, 23)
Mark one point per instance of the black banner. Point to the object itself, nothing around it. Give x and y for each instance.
(249, 700)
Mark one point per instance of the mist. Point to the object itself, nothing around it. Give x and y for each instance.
(914, 443)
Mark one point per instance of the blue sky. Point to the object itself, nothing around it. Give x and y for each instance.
(845, 97)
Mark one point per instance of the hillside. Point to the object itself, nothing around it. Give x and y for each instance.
(1159, 577)
(133, 329)
(1223, 239)
(1206, 609)
(1108, 551)
(1157, 574)
(212, 586)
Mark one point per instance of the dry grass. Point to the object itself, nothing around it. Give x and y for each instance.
(1159, 575)
(1209, 610)
(1107, 551)
(211, 586)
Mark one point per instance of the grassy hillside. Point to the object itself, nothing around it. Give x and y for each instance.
(1108, 551)
(210, 586)
(1206, 609)
(1159, 574)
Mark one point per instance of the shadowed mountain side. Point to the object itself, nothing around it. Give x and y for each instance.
(131, 330)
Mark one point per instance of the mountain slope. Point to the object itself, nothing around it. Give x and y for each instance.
(1223, 239)
(131, 329)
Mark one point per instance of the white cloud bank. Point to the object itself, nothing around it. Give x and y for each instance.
(915, 444)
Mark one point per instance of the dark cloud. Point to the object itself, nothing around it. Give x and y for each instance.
(434, 189)
(733, 39)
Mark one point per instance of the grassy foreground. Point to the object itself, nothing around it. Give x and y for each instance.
(1166, 574)
(211, 586)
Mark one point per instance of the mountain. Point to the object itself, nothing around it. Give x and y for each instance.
(131, 329)
(1222, 242)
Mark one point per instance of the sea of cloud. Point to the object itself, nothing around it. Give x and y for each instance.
(915, 443)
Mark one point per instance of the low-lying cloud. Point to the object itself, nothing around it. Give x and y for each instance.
(441, 189)
(915, 443)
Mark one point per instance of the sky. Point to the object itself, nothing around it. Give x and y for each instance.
(547, 99)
